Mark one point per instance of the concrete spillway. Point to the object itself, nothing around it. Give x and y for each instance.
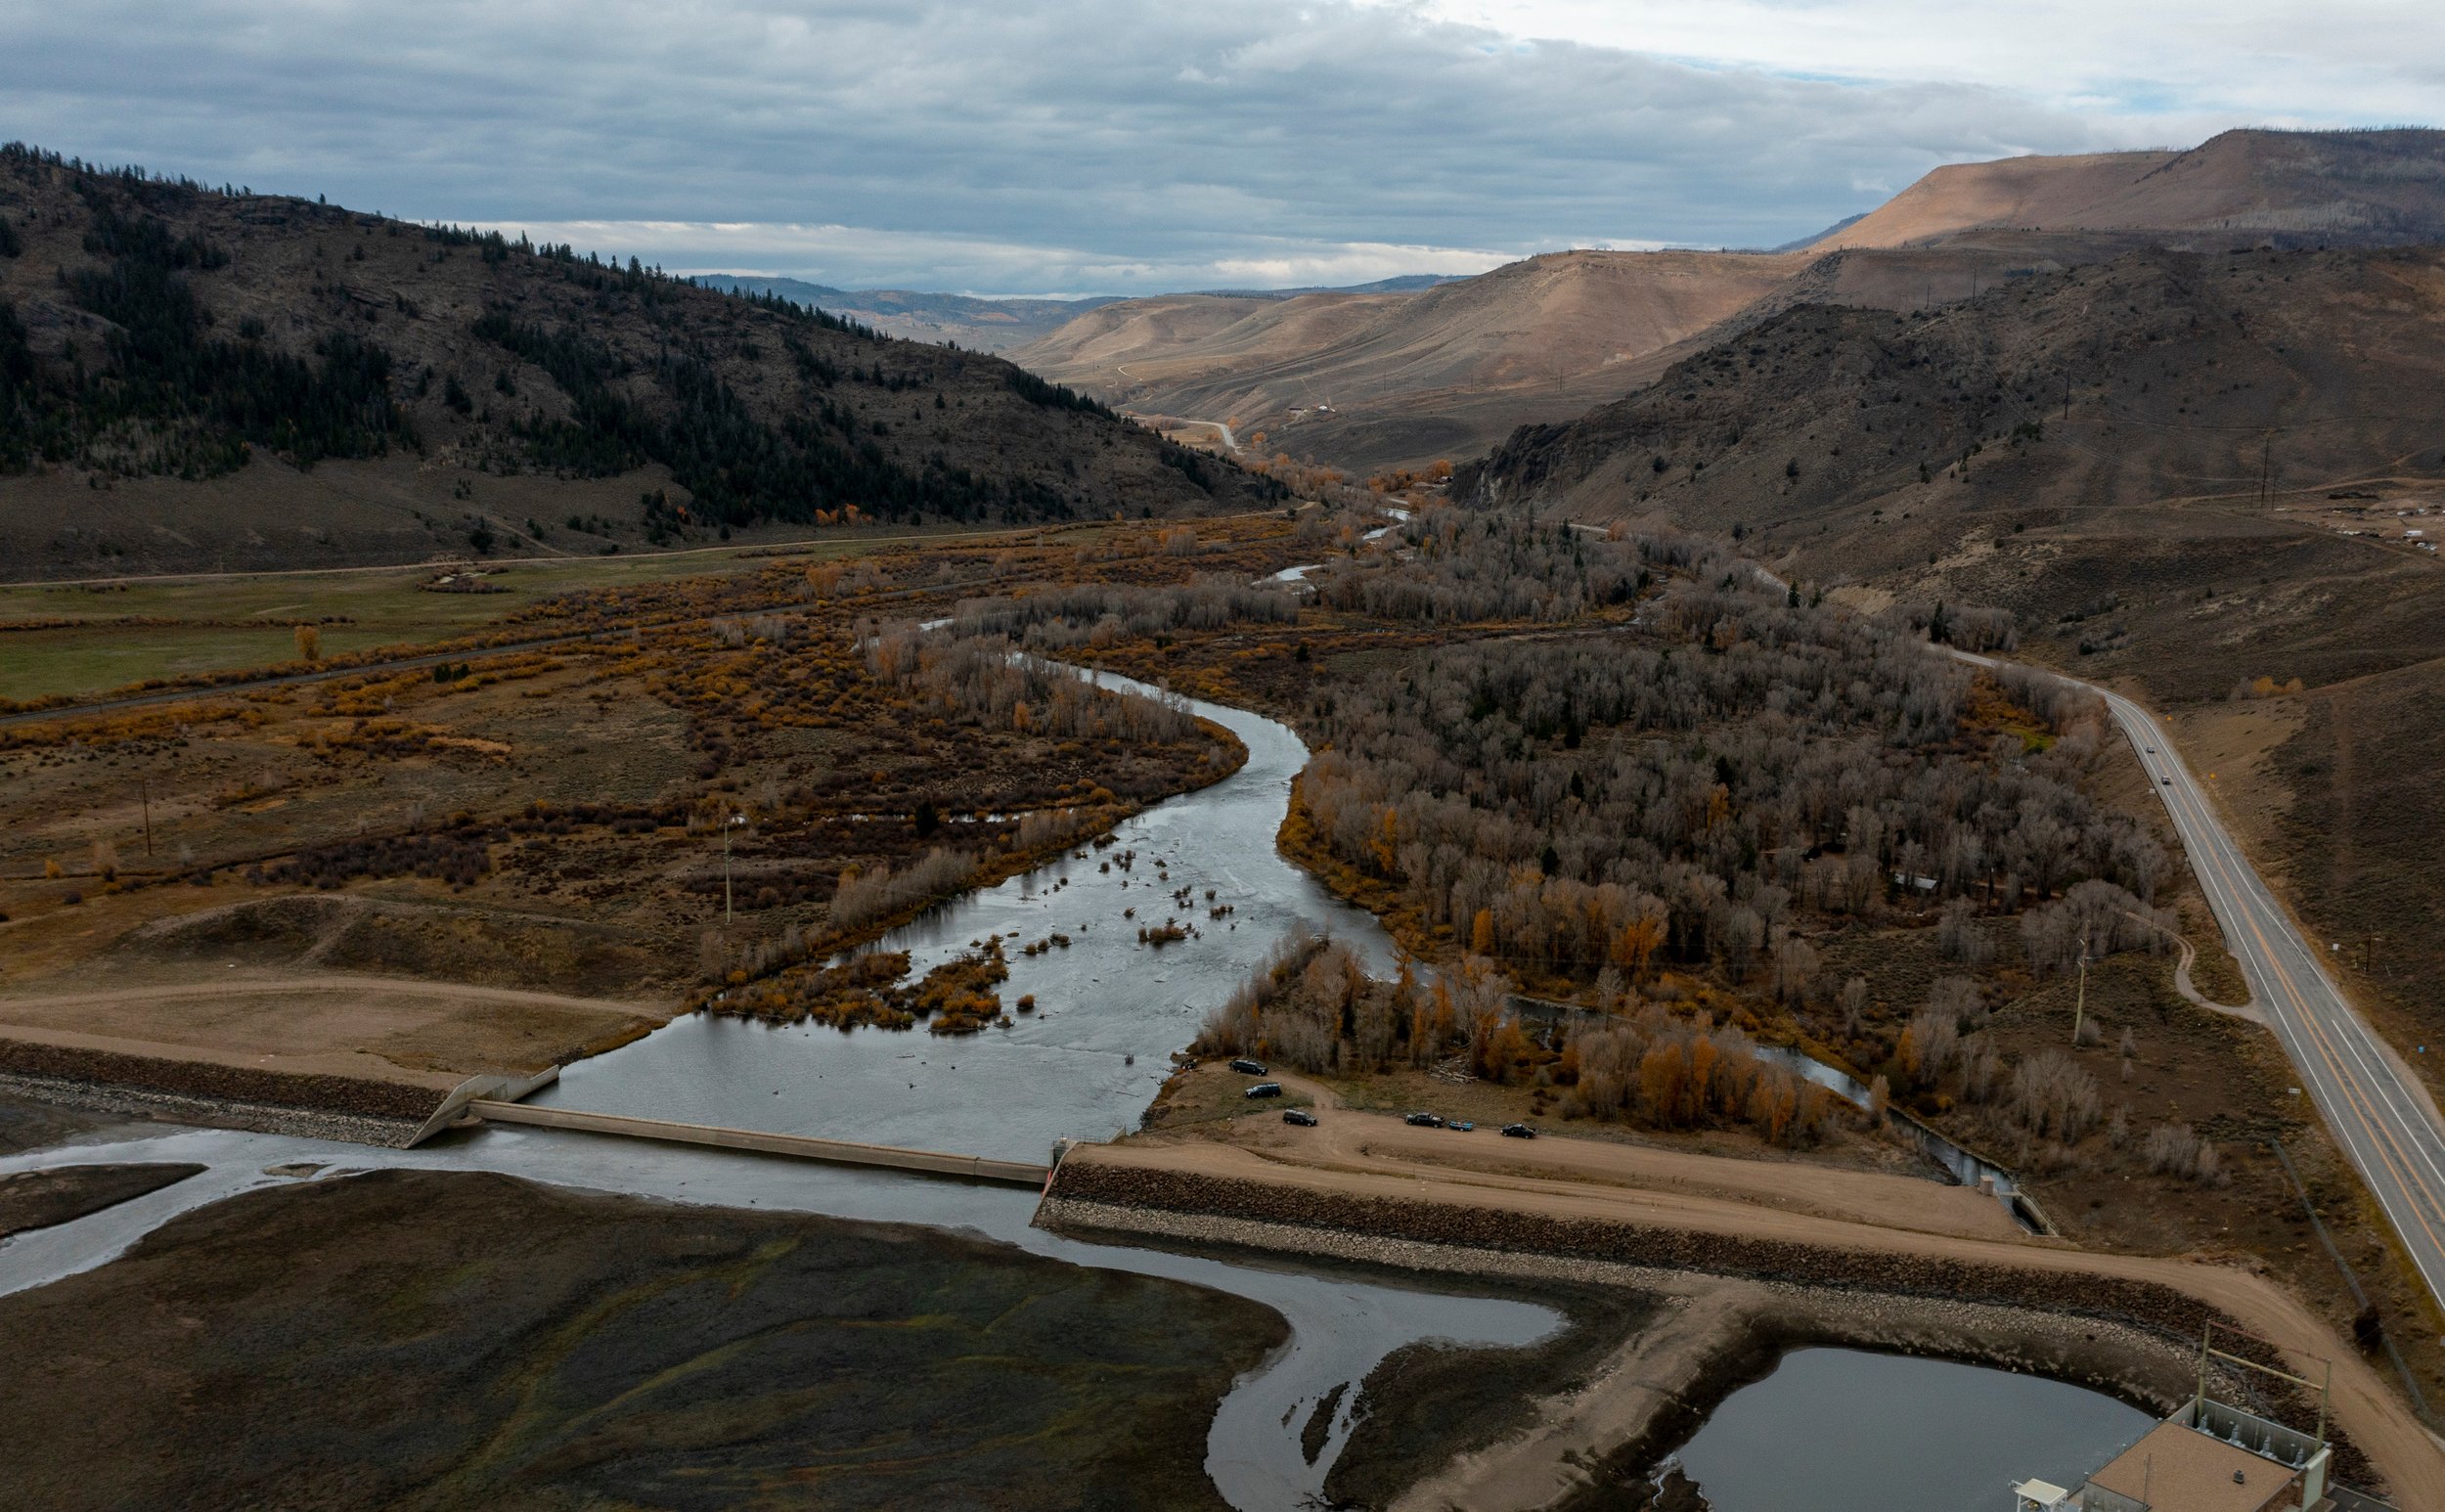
(839, 1151)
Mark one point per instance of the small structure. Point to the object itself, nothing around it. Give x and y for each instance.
(2209, 1456)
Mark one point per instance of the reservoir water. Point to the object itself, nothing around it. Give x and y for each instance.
(1847, 1430)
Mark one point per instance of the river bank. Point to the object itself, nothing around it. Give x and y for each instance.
(2119, 1324)
(1711, 1334)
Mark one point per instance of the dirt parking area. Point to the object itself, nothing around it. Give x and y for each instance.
(1568, 1173)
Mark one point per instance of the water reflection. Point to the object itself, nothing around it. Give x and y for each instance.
(1110, 1010)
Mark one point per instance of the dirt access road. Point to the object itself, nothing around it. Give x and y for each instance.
(1365, 1155)
(1634, 1173)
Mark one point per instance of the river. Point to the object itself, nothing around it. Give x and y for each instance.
(1109, 1012)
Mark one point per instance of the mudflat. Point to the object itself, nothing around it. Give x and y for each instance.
(414, 1339)
(38, 1199)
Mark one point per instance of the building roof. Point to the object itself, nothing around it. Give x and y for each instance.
(2178, 1469)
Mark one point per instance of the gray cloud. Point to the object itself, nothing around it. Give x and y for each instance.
(1091, 145)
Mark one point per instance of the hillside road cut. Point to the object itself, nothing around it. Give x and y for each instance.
(2383, 1120)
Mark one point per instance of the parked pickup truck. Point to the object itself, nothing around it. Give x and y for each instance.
(1426, 1120)
(1518, 1132)
(1246, 1067)
(1264, 1090)
(1299, 1115)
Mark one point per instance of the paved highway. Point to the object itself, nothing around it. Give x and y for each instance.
(2386, 1124)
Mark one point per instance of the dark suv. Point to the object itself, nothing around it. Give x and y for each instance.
(1426, 1120)
(1246, 1067)
(1518, 1132)
(1299, 1115)
(1264, 1090)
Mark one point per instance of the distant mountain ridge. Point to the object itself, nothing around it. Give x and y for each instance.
(1361, 378)
(992, 323)
(1367, 380)
(1400, 283)
(981, 324)
(2295, 188)
(1804, 243)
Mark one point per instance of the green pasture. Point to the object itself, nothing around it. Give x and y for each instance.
(385, 606)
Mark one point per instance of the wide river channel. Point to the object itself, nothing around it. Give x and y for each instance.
(1085, 1065)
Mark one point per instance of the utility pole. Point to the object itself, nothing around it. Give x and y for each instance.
(729, 825)
(2079, 1003)
(144, 796)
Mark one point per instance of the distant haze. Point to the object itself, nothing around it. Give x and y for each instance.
(1103, 147)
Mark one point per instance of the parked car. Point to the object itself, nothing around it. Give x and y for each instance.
(1426, 1120)
(1462, 1125)
(1300, 1116)
(1518, 1132)
(1264, 1090)
(2169, 782)
(1246, 1067)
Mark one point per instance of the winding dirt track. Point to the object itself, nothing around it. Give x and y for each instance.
(1376, 1155)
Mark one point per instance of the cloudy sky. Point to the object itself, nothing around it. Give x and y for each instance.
(1094, 145)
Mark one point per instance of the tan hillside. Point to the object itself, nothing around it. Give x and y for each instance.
(2363, 186)
(1148, 344)
(1376, 377)
(2027, 192)
(2161, 418)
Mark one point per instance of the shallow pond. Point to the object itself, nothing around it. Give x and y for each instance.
(1847, 1430)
